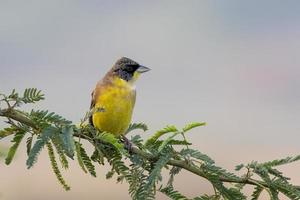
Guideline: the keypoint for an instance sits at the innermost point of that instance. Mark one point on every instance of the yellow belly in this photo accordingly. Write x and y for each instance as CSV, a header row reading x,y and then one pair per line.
x,y
113,110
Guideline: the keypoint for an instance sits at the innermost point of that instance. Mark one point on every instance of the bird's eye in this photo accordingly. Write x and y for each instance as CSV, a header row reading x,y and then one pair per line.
x,y
131,67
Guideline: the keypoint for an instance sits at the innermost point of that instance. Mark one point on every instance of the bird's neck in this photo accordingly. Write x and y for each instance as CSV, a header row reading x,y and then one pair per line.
x,y
118,82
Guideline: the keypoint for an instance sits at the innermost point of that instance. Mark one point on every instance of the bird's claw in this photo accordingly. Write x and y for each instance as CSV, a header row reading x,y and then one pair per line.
x,y
127,144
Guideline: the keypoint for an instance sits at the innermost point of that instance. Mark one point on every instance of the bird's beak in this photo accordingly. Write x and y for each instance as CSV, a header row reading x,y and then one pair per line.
x,y
142,69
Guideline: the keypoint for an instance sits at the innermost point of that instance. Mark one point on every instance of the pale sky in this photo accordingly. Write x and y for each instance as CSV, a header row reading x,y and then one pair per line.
x,y
233,64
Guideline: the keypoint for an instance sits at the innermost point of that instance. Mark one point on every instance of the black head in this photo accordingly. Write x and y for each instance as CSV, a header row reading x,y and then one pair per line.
x,y
126,68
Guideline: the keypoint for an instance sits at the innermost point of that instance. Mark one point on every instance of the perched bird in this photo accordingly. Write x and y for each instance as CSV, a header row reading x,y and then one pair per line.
x,y
114,97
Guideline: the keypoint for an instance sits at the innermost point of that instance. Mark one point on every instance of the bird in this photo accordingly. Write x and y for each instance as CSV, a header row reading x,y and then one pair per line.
x,y
114,97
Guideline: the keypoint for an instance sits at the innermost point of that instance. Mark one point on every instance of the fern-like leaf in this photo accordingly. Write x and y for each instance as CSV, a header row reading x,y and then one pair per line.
x,y
239,167
172,194
137,184
79,158
114,158
68,140
86,160
111,139
109,174
256,193
44,117
136,180
7,132
13,95
138,141
58,144
158,134
218,171
39,144
55,167
286,160
193,125
28,144
12,150
98,155
287,189
155,173
135,126
174,142
32,95
226,193
196,154
167,141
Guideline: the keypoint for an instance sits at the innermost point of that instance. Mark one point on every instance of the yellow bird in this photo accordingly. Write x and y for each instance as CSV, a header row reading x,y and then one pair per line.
x,y
114,97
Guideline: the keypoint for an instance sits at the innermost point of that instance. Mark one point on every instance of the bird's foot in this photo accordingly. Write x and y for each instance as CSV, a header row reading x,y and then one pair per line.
x,y
127,144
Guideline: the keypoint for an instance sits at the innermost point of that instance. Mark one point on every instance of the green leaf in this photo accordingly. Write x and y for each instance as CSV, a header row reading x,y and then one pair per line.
x,y
55,167
114,157
28,144
286,160
135,126
277,173
85,159
13,94
98,155
196,154
226,193
111,139
39,144
167,141
155,173
138,141
44,118
174,142
172,194
256,193
158,134
12,150
68,140
239,167
32,95
109,174
79,158
137,181
7,132
193,125
218,171
58,144
273,194
289,190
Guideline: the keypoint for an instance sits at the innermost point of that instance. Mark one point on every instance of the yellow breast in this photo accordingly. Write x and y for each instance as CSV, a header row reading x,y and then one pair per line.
x,y
114,106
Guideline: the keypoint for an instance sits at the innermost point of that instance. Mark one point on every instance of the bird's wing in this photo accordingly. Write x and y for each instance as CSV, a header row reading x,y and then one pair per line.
x,y
95,94
93,102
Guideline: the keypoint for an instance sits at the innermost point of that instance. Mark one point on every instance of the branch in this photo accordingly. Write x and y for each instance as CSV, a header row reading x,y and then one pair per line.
x,y
147,159
20,117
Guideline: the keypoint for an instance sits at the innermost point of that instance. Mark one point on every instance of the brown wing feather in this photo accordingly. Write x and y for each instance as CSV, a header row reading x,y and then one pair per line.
x,y
93,102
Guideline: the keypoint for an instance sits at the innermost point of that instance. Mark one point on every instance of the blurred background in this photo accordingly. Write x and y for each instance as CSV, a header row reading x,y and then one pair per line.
x,y
233,64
